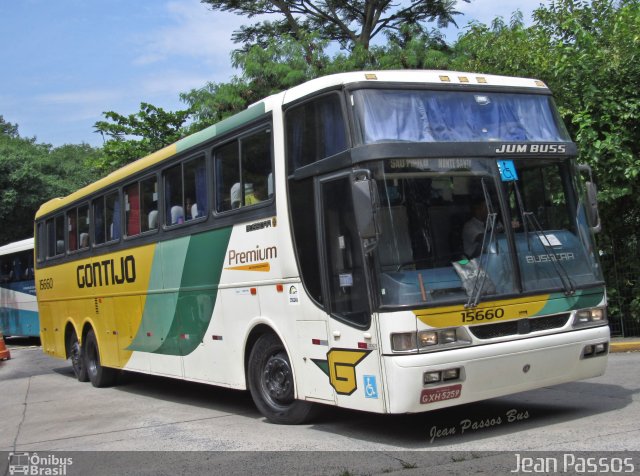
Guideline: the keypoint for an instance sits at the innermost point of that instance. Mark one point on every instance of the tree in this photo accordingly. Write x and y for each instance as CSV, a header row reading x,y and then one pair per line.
x,y
8,129
351,23
587,52
31,174
155,128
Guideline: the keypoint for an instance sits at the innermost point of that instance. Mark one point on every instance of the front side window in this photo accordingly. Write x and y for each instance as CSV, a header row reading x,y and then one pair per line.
x,y
316,129
347,286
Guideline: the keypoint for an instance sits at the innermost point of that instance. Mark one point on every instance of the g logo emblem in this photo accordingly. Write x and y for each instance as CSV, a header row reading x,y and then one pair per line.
x,y
342,369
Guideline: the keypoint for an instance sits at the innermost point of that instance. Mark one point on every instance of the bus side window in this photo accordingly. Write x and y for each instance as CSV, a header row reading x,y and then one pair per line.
x,y
149,192
41,241
256,167
243,168
113,216
174,211
55,236
72,224
132,209
195,189
83,226
227,168
98,221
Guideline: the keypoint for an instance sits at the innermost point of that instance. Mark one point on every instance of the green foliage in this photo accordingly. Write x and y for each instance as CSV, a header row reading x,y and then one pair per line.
x,y
351,23
154,127
284,62
31,174
588,53
8,129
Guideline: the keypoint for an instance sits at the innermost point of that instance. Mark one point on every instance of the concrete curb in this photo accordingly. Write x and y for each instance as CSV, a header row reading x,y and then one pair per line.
x,y
625,346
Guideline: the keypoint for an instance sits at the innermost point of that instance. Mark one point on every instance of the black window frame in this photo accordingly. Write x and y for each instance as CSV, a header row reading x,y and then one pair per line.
x,y
265,127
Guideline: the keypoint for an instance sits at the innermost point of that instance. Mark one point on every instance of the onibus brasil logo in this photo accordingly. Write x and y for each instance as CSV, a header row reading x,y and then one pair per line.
x,y
38,465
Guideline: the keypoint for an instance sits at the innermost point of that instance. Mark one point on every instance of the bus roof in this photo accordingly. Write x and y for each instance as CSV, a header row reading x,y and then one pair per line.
x,y
256,110
17,246
457,78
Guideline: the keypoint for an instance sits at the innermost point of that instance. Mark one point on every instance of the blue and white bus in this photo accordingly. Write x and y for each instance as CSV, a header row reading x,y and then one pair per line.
x,y
18,305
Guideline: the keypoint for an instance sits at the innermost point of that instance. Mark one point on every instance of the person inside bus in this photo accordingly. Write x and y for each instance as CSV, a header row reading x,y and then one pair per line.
x,y
473,230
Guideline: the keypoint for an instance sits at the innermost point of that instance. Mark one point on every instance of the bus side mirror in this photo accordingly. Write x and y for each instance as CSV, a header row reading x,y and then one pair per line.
x,y
364,191
592,199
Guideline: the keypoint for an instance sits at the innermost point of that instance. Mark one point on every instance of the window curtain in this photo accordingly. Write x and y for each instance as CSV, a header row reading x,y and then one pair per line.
x,y
446,116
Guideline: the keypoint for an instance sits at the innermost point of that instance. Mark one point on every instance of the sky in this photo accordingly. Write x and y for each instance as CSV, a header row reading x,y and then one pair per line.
x,y
64,62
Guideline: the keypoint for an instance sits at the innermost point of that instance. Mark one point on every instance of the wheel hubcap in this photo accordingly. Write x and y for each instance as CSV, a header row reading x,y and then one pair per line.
x,y
277,380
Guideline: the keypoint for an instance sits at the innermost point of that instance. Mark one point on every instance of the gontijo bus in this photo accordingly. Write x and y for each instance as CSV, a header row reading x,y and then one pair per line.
x,y
18,306
394,242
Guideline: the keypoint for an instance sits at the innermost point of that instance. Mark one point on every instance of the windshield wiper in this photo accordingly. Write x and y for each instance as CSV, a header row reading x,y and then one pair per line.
x,y
489,228
529,218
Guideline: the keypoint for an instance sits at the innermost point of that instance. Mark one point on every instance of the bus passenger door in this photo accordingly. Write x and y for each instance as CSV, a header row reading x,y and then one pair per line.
x,y
353,361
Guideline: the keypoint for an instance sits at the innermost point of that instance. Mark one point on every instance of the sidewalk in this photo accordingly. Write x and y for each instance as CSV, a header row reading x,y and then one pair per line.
x,y
625,344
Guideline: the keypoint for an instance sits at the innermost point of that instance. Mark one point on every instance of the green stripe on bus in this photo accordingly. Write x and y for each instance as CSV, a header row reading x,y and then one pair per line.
x,y
582,299
221,127
174,323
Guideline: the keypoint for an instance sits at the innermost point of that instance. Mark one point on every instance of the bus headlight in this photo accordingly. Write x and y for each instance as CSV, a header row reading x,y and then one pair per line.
x,y
405,342
428,340
589,317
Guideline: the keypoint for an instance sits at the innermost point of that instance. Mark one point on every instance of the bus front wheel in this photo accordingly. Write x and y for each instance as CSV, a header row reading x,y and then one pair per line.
x,y
271,383
98,375
77,358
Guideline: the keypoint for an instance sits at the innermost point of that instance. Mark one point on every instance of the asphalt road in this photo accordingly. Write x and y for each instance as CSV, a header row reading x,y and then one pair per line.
x,y
43,408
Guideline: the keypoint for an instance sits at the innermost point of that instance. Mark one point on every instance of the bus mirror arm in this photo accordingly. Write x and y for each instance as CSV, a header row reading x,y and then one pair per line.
x,y
364,191
592,199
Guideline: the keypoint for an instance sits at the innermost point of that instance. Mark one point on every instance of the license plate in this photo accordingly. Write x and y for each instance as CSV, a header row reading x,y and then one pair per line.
x,y
440,394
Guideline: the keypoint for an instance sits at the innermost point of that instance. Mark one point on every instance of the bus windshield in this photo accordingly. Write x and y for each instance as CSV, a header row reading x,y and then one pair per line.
x,y
453,231
455,116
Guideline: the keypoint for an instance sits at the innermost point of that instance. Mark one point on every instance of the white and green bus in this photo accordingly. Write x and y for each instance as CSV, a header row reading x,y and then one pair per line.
x,y
392,241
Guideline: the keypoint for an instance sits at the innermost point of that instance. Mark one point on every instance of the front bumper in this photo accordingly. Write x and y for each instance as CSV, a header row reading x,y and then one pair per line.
x,y
493,370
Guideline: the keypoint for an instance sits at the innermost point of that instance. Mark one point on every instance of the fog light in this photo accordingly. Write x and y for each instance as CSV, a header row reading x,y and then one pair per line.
x,y
451,374
600,348
426,338
403,342
432,377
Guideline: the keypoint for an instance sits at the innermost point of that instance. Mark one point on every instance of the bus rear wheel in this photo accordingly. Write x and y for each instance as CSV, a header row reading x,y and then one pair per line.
x,y
77,358
98,375
271,383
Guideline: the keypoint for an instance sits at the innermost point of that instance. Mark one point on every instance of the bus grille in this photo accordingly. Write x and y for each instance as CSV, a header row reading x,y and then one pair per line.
x,y
520,326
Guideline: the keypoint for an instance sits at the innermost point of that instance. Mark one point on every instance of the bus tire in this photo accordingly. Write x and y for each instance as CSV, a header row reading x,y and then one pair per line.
x,y
77,358
271,383
98,375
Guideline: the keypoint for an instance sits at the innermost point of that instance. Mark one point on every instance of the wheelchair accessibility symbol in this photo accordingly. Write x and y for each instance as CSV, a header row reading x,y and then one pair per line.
x,y
370,386
507,171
